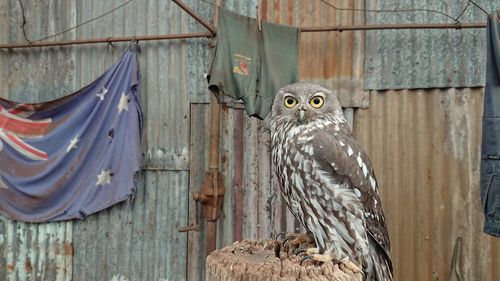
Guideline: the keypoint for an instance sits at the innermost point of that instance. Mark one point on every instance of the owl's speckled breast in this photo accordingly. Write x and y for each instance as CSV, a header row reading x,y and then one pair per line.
x,y
313,195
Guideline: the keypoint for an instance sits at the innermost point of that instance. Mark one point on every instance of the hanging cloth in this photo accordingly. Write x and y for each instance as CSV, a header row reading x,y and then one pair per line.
x,y
73,156
252,65
490,149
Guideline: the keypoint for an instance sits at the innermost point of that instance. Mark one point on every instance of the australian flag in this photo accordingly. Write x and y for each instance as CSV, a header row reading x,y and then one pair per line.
x,y
72,156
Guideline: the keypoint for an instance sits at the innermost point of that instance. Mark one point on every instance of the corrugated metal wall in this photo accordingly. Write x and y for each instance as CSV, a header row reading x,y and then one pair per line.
x,y
424,145
406,59
127,242
35,251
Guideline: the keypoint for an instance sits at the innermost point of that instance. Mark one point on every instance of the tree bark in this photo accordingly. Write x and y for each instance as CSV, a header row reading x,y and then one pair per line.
x,y
255,260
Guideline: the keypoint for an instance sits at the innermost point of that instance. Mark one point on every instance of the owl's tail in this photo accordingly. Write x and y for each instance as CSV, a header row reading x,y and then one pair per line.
x,y
381,262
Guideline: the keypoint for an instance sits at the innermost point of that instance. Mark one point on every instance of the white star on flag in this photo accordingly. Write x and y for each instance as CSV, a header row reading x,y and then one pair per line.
x,y
104,177
101,94
123,103
72,144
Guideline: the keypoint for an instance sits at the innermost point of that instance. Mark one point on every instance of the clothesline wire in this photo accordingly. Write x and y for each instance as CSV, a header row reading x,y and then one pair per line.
x,y
479,7
74,27
211,3
24,22
408,10
463,11
386,10
393,10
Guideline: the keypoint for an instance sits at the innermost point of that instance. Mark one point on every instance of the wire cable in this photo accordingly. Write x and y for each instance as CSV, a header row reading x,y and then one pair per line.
x,y
83,23
463,11
24,23
480,8
387,11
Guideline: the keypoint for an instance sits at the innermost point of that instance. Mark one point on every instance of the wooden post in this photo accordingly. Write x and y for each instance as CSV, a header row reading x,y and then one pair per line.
x,y
255,260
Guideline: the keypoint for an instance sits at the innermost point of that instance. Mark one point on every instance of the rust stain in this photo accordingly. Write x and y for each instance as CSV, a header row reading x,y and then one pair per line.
x,y
277,11
11,267
27,265
264,10
69,250
290,12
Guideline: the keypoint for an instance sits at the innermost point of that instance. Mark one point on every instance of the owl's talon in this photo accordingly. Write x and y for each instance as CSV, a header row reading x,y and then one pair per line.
x,y
305,258
344,264
347,264
300,250
314,255
283,233
293,242
311,254
279,244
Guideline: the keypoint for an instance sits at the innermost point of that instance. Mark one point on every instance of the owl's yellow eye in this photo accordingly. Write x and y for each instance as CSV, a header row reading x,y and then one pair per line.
x,y
290,101
317,102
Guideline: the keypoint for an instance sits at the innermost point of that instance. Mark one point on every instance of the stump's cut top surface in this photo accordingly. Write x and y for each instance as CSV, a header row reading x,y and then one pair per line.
x,y
255,260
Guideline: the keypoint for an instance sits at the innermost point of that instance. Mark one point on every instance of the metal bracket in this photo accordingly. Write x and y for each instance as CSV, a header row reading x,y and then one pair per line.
x,y
193,226
211,195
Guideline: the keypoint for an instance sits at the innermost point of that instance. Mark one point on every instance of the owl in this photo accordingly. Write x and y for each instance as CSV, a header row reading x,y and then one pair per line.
x,y
327,180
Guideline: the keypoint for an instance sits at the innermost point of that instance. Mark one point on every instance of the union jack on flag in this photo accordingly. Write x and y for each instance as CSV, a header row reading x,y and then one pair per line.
x,y
14,126
73,156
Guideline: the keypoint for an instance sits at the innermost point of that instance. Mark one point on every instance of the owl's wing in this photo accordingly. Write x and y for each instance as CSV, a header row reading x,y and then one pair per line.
x,y
342,154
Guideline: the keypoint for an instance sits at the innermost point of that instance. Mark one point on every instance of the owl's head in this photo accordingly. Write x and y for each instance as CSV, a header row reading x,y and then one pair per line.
x,y
304,102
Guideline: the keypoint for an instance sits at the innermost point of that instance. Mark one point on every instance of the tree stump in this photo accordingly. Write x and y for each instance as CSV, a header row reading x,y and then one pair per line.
x,y
255,260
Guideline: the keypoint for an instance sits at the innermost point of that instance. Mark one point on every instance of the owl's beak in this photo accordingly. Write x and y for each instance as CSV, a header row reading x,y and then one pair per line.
x,y
302,113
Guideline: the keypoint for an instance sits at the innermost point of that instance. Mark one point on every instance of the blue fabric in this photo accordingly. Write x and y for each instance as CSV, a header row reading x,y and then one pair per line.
x,y
72,156
490,148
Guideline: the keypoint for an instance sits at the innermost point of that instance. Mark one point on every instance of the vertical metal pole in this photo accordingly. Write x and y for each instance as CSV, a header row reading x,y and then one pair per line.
x,y
238,175
213,167
213,160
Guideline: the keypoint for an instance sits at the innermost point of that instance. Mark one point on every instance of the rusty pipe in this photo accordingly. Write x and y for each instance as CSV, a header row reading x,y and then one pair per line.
x,y
213,157
106,40
338,28
213,160
393,26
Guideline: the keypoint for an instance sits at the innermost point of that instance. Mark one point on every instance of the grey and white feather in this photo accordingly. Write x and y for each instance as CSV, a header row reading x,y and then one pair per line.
x,y
327,179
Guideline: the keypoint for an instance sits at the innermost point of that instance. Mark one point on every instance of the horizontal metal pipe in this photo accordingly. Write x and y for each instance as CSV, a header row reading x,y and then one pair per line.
x,y
338,28
393,26
107,40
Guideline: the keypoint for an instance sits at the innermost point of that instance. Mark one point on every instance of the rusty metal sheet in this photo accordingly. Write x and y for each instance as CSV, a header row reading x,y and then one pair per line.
x,y
425,148
333,59
35,251
140,241
199,144
136,242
